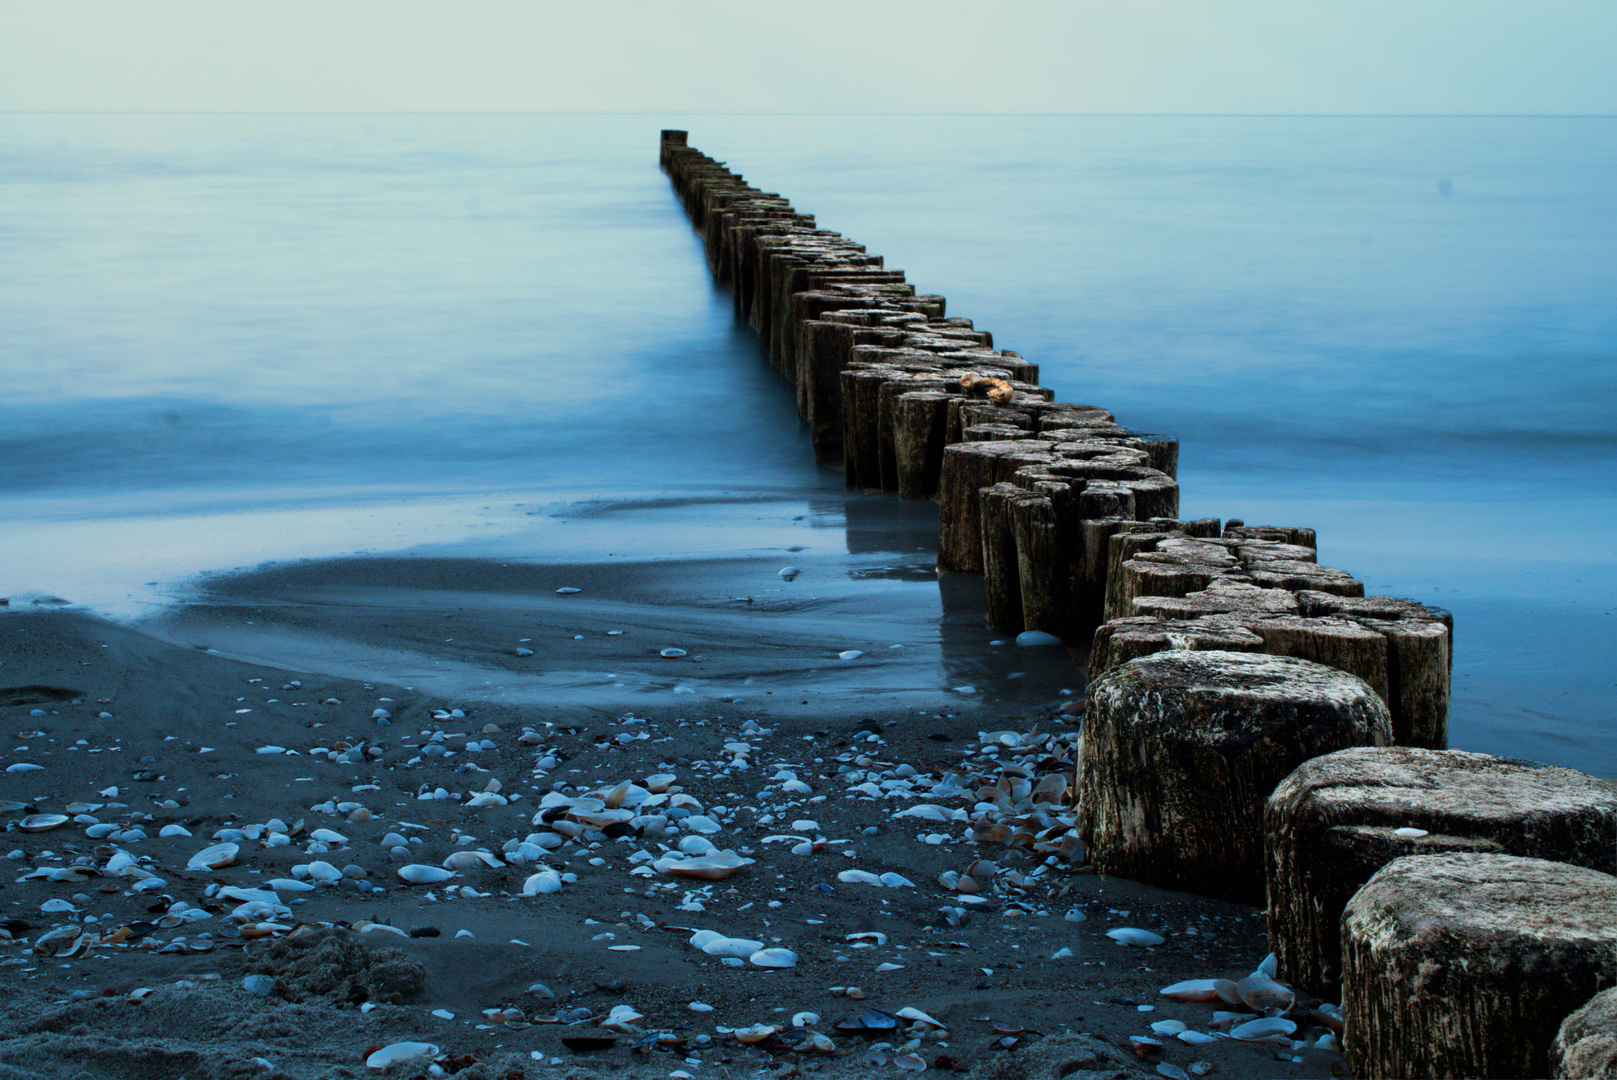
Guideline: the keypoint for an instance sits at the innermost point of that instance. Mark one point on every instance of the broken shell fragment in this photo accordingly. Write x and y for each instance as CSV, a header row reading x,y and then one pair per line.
x,y
1133,935
420,874
1260,994
400,1051
213,858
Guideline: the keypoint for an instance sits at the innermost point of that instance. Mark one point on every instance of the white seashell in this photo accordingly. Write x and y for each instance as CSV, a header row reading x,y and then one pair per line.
x,y
659,783
1269,967
931,812
282,884
728,946
1168,1027
755,1033
62,941
328,836
805,1019
400,1051
696,845
1195,1038
672,654
42,822
896,881
174,830
567,590
23,766
1265,1029
701,938
713,867
859,877
271,750
701,823
849,654
910,1012
542,883
773,958
324,872
1133,935
213,858
56,905
1192,990
1228,992
420,874
1409,832
1260,994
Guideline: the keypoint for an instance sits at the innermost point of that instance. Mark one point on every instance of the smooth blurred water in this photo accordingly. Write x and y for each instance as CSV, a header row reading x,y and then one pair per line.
x,y
231,338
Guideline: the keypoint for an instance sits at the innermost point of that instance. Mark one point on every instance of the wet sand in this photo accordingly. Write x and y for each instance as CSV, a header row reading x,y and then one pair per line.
x,y
300,656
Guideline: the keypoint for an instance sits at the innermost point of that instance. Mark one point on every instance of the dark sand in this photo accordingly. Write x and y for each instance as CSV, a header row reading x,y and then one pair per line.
x,y
102,705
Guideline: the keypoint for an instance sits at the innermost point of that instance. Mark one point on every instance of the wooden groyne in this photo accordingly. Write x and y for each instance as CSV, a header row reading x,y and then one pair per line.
x,y
1071,518
1255,726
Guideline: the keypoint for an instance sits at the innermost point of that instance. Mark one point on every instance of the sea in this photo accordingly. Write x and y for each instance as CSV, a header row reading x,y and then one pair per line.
x,y
227,340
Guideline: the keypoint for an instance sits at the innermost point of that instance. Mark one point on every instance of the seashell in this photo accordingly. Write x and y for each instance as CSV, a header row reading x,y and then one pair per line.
x,y
322,871
805,1019
1195,1038
931,812
1228,992
399,1051
1328,1016
1036,637
1269,967
910,1062
42,822
1133,935
419,874
1265,1029
1192,990
1167,1027
896,881
328,836
1260,994
756,1033
910,1012
816,1043
773,958
868,1020
1409,832
875,937
713,867
672,654
213,858
859,877
470,860
701,938
741,948
1172,1071
63,941
542,883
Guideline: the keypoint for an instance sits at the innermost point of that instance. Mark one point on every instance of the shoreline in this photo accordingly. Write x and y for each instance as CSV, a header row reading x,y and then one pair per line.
x,y
167,701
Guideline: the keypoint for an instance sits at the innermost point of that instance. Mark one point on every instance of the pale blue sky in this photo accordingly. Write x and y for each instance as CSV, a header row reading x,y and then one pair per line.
x,y
1150,56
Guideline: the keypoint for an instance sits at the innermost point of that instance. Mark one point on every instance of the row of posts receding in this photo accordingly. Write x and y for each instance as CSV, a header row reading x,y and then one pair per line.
x,y
1071,518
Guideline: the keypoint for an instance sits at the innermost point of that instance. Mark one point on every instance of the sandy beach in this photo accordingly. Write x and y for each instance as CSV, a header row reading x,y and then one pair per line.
x,y
255,705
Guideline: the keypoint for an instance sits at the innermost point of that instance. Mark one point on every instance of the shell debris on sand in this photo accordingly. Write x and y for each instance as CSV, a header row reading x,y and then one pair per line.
x,y
822,860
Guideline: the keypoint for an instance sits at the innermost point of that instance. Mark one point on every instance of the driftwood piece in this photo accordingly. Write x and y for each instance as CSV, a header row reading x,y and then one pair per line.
x,y
1334,822
1585,1047
1181,751
1466,964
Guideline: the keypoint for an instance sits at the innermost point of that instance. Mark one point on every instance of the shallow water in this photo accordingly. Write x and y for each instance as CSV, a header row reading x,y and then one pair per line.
x,y
232,339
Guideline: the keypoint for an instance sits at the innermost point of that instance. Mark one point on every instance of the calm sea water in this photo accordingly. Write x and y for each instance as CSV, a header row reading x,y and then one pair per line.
x,y
225,339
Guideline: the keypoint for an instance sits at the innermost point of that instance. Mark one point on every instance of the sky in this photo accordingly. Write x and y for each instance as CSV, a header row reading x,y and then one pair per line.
x,y
832,56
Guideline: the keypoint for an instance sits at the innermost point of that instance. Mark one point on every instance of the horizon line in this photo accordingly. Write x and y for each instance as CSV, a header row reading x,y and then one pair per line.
x,y
636,112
